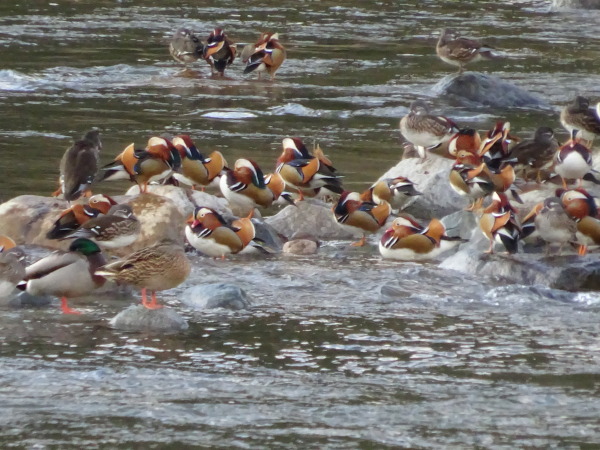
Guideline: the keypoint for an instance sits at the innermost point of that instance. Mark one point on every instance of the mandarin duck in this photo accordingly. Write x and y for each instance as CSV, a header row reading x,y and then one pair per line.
x,y
536,155
196,170
353,213
276,184
72,218
466,139
219,51
245,188
396,191
424,130
185,47
66,274
208,232
552,224
305,172
499,224
79,165
267,55
407,240
155,163
581,120
459,51
118,228
469,178
573,161
582,208
12,268
156,268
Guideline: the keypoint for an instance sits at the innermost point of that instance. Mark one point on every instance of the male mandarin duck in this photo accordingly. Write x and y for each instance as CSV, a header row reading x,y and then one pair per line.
x,y
551,222
500,224
536,155
459,51
407,240
118,228
466,139
425,130
350,211
276,184
244,187
208,232
469,177
395,191
582,208
72,218
196,170
12,268
305,172
573,161
79,165
267,55
219,51
156,268
581,120
66,274
155,163
185,47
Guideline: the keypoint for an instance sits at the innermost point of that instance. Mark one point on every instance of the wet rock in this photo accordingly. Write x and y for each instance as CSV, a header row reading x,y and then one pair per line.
x,y
462,223
139,318
430,176
575,4
478,89
301,247
216,295
25,300
310,218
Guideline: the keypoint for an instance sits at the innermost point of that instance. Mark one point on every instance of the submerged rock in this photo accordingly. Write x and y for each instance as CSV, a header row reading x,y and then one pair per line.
x,y
301,247
216,295
139,318
576,4
474,88
24,300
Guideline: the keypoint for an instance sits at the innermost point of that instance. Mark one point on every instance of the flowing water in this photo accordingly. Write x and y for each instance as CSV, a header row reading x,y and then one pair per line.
x,y
341,350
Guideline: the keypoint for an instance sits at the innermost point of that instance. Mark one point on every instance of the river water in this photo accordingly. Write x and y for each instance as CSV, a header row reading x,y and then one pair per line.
x,y
341,350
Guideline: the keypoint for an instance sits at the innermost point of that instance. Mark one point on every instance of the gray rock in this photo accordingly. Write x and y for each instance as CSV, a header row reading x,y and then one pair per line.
x,y
478,89
139,318
310,218
24,300
575,4
216,295
301,247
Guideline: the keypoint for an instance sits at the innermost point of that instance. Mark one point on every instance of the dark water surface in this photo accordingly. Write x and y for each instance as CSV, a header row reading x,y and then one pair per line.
x,y
339,351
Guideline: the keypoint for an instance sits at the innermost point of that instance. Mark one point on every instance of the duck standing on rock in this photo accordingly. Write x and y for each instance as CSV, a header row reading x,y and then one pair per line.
x,y
72,218
156,268
573,161
499,224
267,55
552,223
460,51
582,208
245,188
580,120
396,191
469,177
196,170
219,51
66,274
424,130
185,47
351,212
79,165
535,156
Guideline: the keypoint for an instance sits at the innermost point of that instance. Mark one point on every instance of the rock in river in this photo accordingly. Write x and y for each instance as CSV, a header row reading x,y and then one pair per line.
x,y
216,295
139,318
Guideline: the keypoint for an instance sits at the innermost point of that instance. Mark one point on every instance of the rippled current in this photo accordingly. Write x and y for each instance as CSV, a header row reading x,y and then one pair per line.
x,y
340,350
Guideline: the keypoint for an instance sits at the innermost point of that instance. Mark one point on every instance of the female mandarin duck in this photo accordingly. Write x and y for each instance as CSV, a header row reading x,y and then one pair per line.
x,y
185,47
536,156
118,228
305,172
156,268
155,163
75,216
208,232
350,211
469,177
466,139
407,240
580,120
573,161
219,51
66,274
552,224
12,268
582,208
244,187
460,51
267,55
500,224
79,165
425,130
196,170
396,191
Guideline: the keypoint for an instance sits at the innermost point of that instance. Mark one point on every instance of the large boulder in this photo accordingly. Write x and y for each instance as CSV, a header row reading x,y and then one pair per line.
x,y
478,89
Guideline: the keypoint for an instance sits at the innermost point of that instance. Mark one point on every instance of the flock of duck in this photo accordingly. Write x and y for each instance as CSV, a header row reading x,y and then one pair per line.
x,y
485,167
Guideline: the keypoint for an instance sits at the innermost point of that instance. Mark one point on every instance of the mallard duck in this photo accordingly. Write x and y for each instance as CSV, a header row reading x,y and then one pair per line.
x,y
460,51
79,165
424,130
536,155
66,274
72,218
196,170
580,120
266,56
12,268
156,268
350,211
185,47
219,51
208,232
499,223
